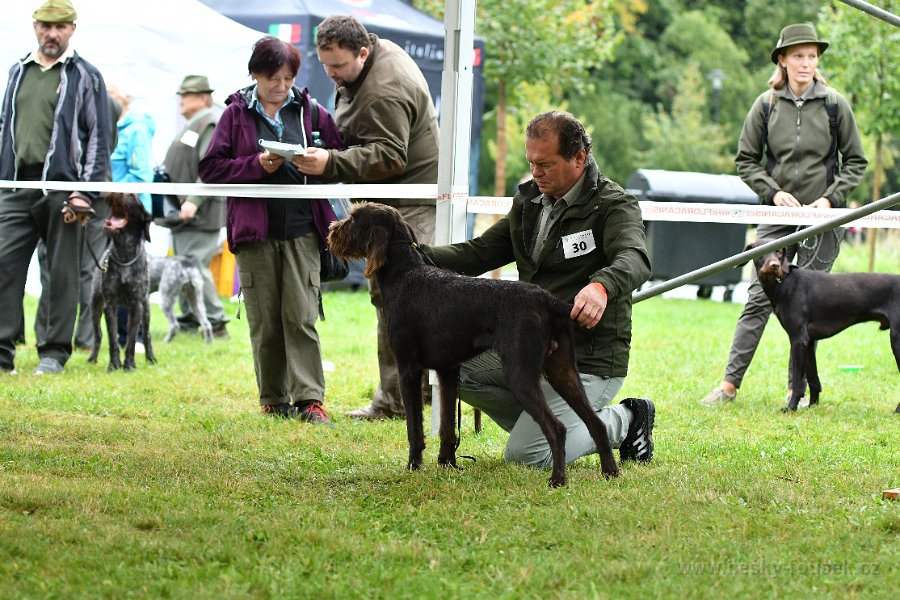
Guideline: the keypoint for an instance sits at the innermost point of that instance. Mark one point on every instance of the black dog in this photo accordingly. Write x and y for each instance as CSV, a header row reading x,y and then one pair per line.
x,y
438,319
123,280
814,305
174,275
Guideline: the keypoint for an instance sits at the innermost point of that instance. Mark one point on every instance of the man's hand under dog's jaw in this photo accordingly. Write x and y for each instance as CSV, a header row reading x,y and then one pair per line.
x,y
69,215
313,162
590,303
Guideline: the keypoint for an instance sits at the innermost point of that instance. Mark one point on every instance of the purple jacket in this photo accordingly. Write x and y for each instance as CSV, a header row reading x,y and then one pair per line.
x,y
232,157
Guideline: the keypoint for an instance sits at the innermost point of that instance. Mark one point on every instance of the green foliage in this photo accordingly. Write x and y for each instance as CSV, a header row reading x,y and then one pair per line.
x,y
615,122
864,60
685,140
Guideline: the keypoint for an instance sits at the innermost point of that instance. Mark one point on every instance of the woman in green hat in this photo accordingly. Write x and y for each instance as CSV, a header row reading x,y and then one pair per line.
x,y
799,148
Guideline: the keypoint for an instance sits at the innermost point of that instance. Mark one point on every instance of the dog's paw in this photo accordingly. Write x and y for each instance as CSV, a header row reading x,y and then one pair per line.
x,y
556,482
113,367
448,462
414,466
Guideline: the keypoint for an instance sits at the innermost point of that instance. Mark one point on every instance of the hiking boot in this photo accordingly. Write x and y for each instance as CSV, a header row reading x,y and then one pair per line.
x,y
285,411
48,366
220,331
718,396
314,413
372,413
638,444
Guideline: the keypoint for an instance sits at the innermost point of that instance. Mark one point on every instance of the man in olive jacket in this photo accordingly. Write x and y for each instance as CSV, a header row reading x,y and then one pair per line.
x,y
580,236
385,114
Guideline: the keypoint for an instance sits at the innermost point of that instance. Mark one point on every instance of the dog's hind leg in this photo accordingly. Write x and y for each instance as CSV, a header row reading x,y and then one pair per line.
x,y
563,377
194,293
148,343
522,371
167,303
411,394
449,380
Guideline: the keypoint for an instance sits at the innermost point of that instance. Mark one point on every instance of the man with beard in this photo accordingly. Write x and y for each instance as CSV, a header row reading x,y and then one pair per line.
x,y
54,126
386,117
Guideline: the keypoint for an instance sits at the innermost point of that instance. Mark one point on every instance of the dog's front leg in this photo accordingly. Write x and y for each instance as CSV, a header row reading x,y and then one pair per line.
x,y
449,380
112,336
96,316
799,352
812,375
135,317
148,343
411,394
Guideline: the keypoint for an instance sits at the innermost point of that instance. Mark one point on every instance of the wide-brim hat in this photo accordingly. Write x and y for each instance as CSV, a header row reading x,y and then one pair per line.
x,y
195,84
56,11
798,33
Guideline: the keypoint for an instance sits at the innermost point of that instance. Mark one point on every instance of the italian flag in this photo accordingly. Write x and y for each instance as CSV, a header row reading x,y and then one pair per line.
x,y
288,32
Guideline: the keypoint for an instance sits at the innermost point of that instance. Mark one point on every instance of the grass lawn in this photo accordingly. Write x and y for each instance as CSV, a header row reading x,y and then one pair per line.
x,y
167,482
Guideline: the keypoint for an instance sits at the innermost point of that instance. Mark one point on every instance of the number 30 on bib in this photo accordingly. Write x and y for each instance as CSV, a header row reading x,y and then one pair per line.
x,y
578,244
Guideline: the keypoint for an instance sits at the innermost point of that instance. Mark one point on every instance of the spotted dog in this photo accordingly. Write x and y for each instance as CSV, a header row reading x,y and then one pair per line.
x,y
123,280
438,319
172,276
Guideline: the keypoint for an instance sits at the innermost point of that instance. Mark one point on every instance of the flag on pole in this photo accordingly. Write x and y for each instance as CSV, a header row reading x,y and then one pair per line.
x,y
288,32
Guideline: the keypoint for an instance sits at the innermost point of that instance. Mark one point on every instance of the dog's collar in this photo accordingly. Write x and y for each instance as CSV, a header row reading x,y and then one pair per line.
x,y
110,256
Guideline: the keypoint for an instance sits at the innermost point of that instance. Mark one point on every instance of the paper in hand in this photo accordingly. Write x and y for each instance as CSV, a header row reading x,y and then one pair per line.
x,y
288,151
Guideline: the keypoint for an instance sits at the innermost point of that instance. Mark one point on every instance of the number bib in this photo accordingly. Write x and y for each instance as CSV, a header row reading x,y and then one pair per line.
x,y
578,244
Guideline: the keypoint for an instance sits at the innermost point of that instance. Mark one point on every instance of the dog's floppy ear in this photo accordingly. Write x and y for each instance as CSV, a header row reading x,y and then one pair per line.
x,y
147,219
376,249
786,265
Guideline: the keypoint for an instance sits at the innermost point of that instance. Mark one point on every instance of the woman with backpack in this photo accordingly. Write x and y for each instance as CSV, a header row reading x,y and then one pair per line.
x,y
799,147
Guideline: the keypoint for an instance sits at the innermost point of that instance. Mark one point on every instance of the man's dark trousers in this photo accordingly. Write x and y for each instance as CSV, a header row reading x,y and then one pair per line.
x,y
25,217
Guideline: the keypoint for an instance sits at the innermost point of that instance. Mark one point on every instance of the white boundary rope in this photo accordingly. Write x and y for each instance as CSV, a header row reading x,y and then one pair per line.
x,y
652,211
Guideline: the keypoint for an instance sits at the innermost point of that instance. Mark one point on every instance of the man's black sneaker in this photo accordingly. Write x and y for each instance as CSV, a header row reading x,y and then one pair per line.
x,y
312,412
638,444
285,411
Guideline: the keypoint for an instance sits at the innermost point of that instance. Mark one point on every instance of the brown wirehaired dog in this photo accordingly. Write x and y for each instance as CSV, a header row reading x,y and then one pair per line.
x,y
123,279
814,305
438,319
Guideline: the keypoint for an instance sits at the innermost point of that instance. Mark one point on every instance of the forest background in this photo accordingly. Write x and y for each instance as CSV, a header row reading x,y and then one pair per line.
x,y
666,84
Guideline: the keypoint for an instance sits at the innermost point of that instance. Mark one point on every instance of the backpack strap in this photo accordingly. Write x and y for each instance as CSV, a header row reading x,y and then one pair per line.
x,y
768,98
832,161
314,116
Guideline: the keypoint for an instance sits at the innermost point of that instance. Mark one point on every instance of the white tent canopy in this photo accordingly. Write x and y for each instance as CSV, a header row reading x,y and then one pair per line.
x,y
145,49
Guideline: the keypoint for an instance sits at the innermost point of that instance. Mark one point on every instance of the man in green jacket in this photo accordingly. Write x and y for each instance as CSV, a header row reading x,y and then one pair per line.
x,y
386,116
580,236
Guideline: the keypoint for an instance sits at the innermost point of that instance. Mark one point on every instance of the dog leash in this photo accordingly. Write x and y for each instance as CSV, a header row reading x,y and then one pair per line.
x,y
105,265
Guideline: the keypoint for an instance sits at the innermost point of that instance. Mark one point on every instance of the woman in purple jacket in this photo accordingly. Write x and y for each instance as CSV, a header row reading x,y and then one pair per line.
x,y
276,241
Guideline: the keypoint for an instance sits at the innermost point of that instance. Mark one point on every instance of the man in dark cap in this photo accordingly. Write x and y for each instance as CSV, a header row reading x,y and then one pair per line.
x,y
55,126
195,231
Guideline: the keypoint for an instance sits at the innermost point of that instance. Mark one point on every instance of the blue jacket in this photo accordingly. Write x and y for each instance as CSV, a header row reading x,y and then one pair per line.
x,y
79,142
131,160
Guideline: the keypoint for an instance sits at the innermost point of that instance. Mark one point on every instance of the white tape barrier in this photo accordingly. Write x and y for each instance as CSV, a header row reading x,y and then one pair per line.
x,y
720,213
652,211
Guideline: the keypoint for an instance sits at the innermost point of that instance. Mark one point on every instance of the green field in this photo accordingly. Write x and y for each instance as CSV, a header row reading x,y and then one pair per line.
x,y
167,482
